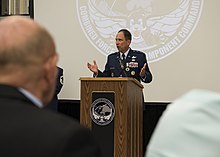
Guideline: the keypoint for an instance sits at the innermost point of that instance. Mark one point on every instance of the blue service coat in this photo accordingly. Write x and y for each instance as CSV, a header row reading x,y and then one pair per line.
x,y
135,60
59,84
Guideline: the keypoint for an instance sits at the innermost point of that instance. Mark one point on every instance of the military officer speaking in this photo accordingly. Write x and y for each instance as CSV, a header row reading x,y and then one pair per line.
x,y
124,63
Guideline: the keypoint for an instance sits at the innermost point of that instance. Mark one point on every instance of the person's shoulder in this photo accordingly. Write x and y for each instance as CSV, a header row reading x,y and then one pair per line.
x,y
138,52
113,55
51,118
60,73
203,97
55,119
59,68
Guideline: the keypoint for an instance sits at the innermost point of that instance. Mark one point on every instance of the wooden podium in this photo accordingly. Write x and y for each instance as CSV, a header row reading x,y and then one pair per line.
x,y
122,137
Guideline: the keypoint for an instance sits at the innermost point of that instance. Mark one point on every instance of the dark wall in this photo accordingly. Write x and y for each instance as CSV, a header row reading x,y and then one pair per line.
x,y
152,113
70,108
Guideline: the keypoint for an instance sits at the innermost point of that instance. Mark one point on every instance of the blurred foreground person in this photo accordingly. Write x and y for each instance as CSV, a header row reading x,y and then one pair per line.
x,y
28,73
189,127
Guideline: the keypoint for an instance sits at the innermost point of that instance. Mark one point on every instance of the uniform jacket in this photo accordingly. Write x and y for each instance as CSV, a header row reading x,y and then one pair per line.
x,y
59,84
28,131
135,60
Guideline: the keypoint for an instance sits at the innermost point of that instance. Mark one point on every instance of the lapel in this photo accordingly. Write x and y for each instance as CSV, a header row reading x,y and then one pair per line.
x,y
117,61
129,56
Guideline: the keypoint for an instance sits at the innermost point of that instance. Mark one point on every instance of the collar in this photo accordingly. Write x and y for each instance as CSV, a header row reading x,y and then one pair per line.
x,y
32,98
126,54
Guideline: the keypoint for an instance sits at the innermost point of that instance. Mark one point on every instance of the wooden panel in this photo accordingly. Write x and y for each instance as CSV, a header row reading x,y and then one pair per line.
x,y
128,112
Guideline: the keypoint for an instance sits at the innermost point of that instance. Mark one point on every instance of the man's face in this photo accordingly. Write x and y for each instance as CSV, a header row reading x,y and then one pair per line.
x,y
121,43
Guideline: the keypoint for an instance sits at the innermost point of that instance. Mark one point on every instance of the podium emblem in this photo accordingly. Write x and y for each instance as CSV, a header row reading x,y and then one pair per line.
x,y
102,111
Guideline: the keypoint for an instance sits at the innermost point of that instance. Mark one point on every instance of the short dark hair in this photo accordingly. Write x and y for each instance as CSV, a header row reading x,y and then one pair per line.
x,y
126,33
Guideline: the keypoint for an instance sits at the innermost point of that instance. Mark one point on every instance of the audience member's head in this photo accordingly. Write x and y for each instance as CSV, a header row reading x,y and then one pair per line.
x,y
27,57
28,74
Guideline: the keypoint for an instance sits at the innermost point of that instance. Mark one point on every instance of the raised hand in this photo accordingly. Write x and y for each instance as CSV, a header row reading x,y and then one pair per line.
x,y
143,70
93,67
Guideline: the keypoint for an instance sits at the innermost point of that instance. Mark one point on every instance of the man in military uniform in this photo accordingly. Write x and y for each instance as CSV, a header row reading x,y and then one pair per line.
x,y
124,63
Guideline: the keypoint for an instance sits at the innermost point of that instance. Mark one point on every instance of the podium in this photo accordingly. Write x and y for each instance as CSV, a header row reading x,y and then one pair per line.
x,y
113,109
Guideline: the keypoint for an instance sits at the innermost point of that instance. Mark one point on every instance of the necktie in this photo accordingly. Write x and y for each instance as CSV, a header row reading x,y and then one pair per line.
x,y
123,60
123,56
123,66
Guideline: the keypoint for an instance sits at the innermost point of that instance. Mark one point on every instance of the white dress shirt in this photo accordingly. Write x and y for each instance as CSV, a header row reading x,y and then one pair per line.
x,y
31,97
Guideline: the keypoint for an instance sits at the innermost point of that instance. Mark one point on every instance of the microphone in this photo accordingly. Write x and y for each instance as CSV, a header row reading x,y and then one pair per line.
x,y
122,66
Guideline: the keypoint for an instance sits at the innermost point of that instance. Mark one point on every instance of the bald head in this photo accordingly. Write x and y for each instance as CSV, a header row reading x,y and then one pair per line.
x,y
27,56
23,42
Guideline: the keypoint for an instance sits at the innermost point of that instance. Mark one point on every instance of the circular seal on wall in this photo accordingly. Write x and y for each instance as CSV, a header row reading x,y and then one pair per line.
x,y
158,27
102,111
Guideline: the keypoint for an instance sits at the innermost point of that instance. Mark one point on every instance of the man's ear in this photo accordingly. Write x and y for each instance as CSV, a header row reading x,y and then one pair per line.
x,y
128,42
50,68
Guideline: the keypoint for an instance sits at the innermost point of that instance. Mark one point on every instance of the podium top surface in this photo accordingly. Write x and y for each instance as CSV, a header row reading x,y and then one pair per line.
x,y
112,79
